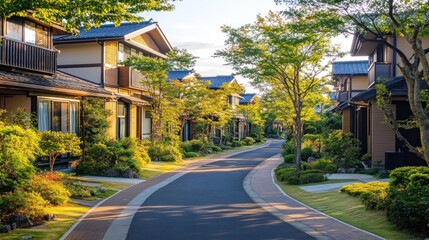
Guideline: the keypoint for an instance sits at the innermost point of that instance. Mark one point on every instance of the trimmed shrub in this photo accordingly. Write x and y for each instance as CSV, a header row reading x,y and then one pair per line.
x,y
78,190
306,153
225,147
217,149
400,178
290,158
192,146
236,143
23,202
293,177
51,190
342,148
190,154
289,148
322,165
165,152
248,141
374,195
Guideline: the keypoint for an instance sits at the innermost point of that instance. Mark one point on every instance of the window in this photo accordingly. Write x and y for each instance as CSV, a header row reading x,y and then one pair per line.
x,y
122,120
147,114
61,115
14,29
28,32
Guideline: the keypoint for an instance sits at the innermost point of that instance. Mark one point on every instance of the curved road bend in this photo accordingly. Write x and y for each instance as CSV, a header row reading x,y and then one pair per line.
x,y
210,203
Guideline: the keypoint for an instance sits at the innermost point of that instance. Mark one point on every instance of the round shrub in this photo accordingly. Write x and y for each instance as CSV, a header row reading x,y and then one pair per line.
x,y
248,141
400,177
217,149
52,191
293,177
237,143
193,146
165,152
22,202
78,190
324,165
306,153
282,173
290,158
191,154
225,147
311,177
89,167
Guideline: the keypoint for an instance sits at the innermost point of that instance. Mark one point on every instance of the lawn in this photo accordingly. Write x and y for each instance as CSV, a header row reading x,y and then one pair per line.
x,y
348,209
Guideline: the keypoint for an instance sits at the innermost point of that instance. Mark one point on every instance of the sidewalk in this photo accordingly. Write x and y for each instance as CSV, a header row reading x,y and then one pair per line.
x,y
260,186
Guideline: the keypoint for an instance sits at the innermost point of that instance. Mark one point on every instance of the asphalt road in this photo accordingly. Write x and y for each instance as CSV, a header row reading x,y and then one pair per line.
x,y
210,203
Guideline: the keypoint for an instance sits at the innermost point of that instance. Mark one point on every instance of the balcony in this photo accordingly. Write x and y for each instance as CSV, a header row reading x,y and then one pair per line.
x,y
130,78
378,70
343,96
17,54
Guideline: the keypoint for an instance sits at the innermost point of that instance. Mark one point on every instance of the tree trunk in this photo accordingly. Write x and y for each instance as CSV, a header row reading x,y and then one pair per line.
x,y
298,142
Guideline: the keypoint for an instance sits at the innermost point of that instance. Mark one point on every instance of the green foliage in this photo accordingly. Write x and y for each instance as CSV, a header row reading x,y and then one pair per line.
x,y
122,154
322,165
94,123
74,14
289,147
78,190
289,158
53,144
409,209
374,195
306,153
236,143
294,177
400,178
18,150
49,189
248,141
24,203
342,149
190,154
193,146
18,117
161,151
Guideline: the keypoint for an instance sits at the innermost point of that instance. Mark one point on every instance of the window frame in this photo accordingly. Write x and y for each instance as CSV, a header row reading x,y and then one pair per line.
x,y
50,117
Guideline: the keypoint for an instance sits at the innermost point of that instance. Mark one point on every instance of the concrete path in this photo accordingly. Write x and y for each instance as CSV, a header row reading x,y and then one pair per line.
x,y
260,186
113,179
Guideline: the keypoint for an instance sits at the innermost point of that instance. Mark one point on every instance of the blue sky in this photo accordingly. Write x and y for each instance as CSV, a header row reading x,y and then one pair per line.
x,y
195,25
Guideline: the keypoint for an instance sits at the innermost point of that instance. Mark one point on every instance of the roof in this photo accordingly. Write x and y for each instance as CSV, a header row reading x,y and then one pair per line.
x,y
178,74
217,81
108,31
59,83
350,67
247,97
133,100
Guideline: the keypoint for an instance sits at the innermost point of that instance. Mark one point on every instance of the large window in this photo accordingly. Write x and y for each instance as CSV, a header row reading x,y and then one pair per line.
x,y
125,51
27,31
122,120
60,115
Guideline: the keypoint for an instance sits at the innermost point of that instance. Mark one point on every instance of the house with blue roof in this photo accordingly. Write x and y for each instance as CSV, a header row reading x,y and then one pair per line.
x,y
97,55
181,74
351,78
248,98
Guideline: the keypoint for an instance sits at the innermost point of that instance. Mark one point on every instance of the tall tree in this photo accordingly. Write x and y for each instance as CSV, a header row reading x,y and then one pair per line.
x,y
88,13
276,52
377,21
166,108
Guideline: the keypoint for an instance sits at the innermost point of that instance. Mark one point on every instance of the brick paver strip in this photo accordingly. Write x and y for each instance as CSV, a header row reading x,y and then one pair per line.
x,y
260,186
96,223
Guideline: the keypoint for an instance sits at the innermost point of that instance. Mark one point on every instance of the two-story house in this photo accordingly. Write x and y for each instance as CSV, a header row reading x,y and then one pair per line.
x,y
385,149
29,78
97,54
351,78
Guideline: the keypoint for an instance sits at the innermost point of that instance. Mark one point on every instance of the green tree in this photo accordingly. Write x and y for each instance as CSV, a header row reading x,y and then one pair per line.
x,y
53,144
274,51
166,110
376,21
88,13
18,149
253,115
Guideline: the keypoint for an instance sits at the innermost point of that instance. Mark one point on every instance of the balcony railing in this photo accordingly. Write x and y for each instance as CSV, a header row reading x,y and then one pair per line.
x,y
27,56
343,96
378,70
130,78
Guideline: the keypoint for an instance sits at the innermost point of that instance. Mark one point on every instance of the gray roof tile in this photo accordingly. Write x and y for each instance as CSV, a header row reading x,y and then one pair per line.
x,y
350,67
105,31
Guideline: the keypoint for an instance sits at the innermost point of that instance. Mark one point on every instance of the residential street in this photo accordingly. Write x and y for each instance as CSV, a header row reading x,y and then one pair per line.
x,y
210,203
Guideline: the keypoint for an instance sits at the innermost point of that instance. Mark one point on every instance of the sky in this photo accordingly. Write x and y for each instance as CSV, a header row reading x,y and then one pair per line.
x,y
196,26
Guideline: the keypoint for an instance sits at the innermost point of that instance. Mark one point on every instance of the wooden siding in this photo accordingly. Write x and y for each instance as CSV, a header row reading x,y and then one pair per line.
x,y
111,53
111,76
346,120
133,120
112,119
383,137
146,40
